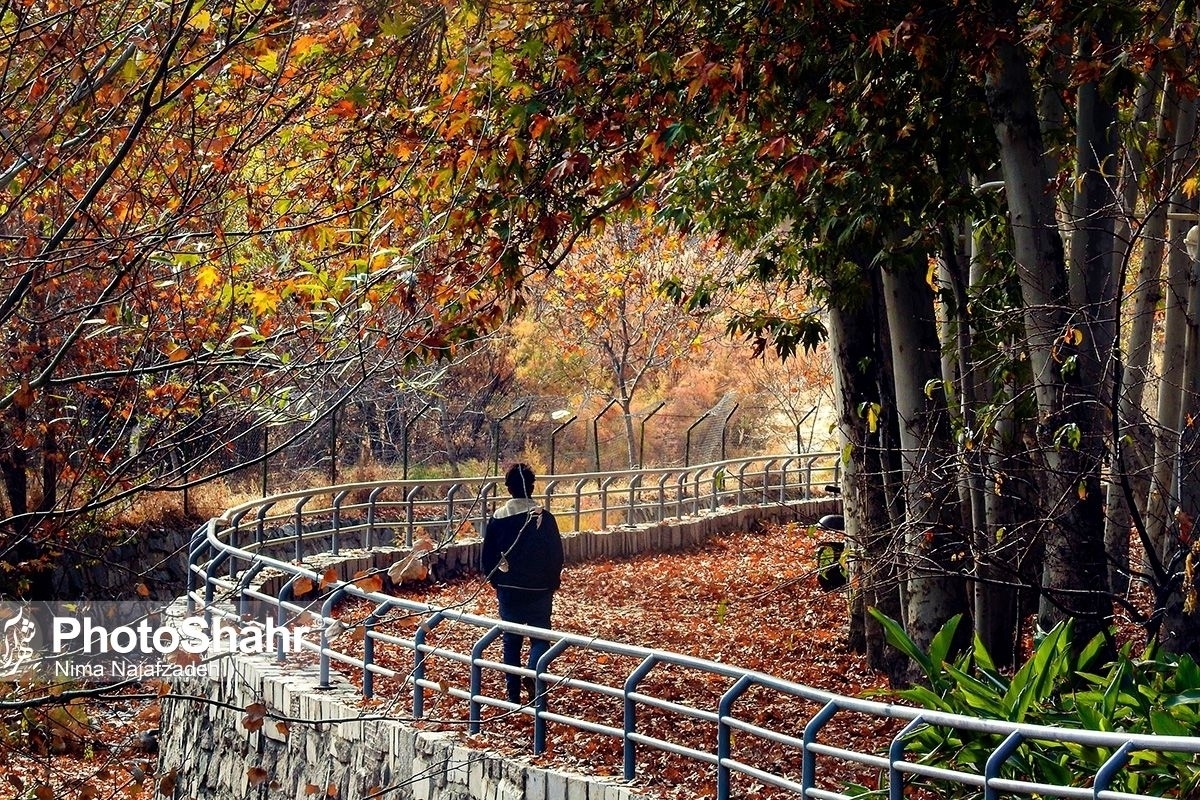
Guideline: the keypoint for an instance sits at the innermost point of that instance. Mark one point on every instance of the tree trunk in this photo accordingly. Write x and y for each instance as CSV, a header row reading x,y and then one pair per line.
x,y
1134,436
934,548
854,351
1068,439
1174,334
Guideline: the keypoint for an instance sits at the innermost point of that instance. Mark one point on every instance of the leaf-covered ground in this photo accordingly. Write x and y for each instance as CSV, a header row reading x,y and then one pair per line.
x,y
747,599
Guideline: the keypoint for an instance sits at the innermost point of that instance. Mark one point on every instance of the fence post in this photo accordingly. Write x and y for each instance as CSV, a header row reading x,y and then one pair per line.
x,y
725,425
596,430
266,441
554,435
496,436
687,447
642,434
406,424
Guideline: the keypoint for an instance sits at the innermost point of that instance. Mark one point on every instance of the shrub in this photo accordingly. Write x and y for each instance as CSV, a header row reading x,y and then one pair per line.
x,y
1060,685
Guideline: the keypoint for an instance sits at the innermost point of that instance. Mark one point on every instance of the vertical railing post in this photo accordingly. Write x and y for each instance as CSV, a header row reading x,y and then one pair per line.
x,y
418,674
808,762
299,523
607,482
896,779
335,538
473,705
629,749
579,484
285,594
991,768
662,495
372,499
725,734
540,701
1109,769
450,527
410,501
326,616
369,649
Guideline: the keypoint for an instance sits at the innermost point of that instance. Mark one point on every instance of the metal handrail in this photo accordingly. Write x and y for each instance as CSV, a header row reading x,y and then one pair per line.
x,y
216,562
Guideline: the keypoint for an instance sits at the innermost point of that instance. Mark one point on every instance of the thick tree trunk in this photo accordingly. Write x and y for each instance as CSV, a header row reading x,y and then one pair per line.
x,y
1074,573
854,350
934,547
1093,284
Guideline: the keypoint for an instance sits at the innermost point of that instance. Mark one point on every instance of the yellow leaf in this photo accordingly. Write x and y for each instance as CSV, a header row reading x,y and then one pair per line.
x,y
200,21
207,277
1191,187
263,302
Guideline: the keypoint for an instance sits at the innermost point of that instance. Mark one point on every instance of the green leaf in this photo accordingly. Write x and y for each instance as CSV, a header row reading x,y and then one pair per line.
x,y
1189,697
1164,724
897,638
939,648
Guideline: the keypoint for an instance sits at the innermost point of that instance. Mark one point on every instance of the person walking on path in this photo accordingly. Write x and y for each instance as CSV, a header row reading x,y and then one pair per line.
x,y
523,560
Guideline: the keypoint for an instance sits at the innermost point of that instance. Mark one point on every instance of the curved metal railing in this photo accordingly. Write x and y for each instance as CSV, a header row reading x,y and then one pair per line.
x,y
277,533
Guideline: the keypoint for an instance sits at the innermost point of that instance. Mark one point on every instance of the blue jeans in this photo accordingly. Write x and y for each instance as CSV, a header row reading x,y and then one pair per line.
x,y
525,608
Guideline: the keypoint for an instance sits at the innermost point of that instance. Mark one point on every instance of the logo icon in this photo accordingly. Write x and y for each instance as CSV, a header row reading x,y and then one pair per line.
x,y
15,652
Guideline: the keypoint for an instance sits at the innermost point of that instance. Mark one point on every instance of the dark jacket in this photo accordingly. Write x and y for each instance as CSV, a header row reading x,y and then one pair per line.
x,y
526,535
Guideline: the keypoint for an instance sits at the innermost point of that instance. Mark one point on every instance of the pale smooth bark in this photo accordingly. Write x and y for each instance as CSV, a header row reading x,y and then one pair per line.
x,y
1170,387
932,536
1135,442
1074,574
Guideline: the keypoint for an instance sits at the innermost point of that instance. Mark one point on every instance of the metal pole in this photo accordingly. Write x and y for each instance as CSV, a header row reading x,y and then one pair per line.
x,y
687,447
496,436
642,434
596,430
406,423
799,441
724,425
554,435
265,444
333,444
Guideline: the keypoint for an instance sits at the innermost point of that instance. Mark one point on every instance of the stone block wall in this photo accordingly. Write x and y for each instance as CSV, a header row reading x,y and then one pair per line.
x,y
321,743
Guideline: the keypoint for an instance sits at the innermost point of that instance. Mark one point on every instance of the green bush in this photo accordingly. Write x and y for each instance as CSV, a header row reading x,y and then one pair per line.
x,y
1060,685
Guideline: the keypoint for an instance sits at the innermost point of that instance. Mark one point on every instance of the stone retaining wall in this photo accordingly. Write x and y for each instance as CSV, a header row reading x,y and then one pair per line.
x,y
338,750
330,746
